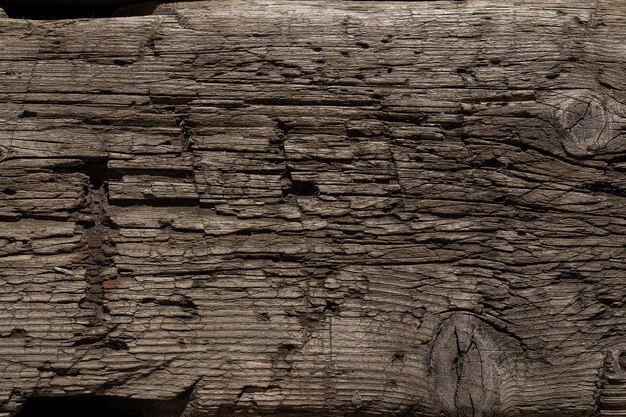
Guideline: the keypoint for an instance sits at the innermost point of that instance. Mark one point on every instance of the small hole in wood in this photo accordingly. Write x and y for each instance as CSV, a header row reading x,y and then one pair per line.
x,y
26,114
303,188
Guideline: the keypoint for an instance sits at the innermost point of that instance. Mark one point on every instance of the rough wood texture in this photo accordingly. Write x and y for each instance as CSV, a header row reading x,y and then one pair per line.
x,y
320,208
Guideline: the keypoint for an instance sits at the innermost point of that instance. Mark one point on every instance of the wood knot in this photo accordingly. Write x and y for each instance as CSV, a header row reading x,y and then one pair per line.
x,y
470,363
589,128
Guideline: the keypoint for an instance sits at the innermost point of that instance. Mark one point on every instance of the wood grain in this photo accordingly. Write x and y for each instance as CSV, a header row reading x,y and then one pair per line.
x,y
318,208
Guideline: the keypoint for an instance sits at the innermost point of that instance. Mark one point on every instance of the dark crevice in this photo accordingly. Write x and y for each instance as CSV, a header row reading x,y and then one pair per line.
x,y
569,276
185,133
97,250
67,9
181,301
101,340
331,306
89,340
172,100
492,163
605,187
156,202
286,347
302,188
182,172
123,62
307,102
185,303
95,169
298,187
115,344
103,406
244,232
17,332
26,114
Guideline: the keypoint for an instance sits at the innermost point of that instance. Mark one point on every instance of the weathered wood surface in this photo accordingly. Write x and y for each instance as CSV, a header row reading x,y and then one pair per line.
x,y
318,207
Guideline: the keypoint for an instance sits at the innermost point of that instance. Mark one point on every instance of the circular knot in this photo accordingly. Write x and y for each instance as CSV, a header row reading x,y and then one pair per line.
x,y
589,129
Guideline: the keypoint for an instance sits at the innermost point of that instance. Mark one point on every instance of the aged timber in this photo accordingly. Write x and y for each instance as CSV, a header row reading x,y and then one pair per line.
x,y
315,208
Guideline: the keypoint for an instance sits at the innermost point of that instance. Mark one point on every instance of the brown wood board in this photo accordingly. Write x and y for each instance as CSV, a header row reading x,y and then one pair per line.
x,y
317,208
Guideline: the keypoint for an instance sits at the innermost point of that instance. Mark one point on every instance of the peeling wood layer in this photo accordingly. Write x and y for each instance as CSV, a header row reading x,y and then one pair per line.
x,y
318,208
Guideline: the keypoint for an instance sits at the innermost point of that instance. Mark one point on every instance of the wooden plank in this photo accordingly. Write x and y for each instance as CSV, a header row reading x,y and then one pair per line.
x,y
320,208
